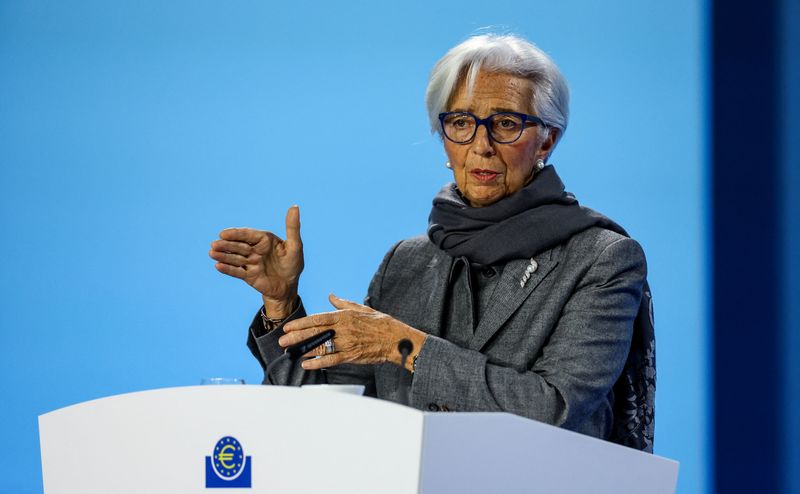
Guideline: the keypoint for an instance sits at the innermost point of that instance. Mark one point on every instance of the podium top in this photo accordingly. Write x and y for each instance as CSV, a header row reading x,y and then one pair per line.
x,y
287,439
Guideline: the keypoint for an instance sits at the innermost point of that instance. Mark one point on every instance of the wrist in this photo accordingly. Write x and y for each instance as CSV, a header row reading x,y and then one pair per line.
x,y
279,309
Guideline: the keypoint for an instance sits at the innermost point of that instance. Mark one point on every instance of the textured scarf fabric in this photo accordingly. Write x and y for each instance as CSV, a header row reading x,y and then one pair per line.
x,y
538,217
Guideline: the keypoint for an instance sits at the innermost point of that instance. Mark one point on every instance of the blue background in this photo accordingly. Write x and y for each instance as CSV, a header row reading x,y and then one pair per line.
x,y
131,133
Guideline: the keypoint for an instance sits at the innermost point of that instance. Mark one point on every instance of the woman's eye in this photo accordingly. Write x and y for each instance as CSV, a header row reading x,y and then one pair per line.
x,y
507,124
459,123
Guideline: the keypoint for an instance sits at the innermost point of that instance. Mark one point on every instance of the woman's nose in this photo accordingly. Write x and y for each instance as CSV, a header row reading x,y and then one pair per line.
x,y
482,143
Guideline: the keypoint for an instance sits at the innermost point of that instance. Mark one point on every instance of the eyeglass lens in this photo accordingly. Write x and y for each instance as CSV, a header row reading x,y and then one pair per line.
x,y
503,127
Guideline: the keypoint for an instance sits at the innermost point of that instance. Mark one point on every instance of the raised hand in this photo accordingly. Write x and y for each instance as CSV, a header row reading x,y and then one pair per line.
x,y
264,261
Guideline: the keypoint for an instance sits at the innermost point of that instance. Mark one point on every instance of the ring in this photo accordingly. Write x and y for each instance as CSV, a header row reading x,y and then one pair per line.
x,y
329,346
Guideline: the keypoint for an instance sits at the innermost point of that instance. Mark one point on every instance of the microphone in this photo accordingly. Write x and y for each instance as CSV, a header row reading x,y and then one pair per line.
x,y
298,350
405,347
306,346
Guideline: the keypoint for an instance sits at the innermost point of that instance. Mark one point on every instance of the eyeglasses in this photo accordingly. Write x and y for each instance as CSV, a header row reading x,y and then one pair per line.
x,y
504,127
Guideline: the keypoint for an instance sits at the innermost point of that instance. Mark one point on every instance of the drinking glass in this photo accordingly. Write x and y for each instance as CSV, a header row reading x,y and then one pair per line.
x,y
212,381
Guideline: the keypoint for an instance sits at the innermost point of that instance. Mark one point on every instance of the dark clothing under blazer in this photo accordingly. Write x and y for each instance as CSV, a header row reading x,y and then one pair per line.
x,y
549,349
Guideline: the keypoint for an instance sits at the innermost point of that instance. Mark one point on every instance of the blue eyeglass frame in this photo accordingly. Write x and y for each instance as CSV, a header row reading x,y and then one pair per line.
x,y
485,122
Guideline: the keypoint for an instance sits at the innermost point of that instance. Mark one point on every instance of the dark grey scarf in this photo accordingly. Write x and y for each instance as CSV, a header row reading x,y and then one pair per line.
x,y
538,217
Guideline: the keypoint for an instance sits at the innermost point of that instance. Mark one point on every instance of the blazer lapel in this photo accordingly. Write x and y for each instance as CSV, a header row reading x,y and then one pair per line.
x,y
509,295
437,281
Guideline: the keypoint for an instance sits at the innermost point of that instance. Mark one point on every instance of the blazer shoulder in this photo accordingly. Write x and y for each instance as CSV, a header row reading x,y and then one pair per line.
x,y
598,239
588,246
415,249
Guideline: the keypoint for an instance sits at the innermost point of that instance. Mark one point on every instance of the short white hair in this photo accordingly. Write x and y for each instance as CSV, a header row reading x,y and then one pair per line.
x,y
504,54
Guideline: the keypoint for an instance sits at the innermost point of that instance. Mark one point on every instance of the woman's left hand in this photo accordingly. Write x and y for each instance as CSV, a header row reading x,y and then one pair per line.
x,y
363,336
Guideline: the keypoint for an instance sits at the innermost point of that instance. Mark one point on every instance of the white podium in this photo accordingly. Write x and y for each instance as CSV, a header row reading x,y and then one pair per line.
x,y
297,440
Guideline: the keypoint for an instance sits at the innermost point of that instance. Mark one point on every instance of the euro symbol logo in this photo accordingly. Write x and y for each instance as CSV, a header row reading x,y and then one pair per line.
x,y
227,466
226,457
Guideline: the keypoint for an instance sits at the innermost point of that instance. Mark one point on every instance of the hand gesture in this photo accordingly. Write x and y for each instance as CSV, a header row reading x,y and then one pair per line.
x,y
363,336
264,261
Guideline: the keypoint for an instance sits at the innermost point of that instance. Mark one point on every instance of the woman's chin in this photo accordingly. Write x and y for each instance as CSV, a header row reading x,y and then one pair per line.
x,y
481,196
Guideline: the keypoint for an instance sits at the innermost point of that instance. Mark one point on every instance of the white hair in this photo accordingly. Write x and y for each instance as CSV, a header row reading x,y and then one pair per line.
x,y
504,54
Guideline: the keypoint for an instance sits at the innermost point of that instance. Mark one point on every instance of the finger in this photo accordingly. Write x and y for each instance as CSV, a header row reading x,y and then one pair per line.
x,y
325,361
241,248
296,337
247,235
293,227
232,259
317,351
343,304
234,271
326,319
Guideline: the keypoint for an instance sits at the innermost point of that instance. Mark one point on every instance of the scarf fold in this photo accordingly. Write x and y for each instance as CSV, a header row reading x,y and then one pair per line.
x,y
538,217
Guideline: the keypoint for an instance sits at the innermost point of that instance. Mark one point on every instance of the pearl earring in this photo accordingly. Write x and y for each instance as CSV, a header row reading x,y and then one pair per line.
x,y
539,164
448,165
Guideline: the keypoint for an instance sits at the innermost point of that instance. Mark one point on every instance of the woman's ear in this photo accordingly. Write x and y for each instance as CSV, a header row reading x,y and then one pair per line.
x,y
549,143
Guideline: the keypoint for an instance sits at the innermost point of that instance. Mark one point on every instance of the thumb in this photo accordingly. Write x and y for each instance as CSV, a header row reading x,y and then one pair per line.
x,y
342,304
293,226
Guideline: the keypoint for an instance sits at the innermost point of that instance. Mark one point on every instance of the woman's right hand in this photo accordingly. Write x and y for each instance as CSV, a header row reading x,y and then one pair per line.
x,y
264,261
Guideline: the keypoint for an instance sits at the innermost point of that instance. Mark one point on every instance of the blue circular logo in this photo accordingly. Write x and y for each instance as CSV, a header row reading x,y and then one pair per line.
x,y
228,458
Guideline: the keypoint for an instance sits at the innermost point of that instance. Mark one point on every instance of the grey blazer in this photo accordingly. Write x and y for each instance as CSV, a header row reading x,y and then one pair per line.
x,y
550,349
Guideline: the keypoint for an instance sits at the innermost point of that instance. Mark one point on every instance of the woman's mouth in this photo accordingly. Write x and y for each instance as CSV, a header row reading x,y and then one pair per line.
x,y
482,175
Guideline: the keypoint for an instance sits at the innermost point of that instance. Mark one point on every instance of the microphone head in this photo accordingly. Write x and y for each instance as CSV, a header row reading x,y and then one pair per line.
x,y
405,346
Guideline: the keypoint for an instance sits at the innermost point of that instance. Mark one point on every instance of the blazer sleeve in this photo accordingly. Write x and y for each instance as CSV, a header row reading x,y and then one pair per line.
x,y
265,348
577,367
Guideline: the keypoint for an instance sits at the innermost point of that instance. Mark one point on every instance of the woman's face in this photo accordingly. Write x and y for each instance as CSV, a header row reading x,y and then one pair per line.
x,y
485,171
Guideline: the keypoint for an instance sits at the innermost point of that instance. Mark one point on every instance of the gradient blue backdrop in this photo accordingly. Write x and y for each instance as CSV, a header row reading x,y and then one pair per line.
x,y
131,133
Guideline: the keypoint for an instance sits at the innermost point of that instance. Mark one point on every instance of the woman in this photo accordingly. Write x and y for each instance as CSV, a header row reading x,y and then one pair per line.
x,y
517,300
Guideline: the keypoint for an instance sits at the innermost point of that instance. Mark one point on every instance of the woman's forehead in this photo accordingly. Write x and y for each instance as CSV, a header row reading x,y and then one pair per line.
x,y
493,92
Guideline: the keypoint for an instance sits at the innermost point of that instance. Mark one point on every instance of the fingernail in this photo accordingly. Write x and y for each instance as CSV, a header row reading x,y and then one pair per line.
x,y
305,365
282,341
